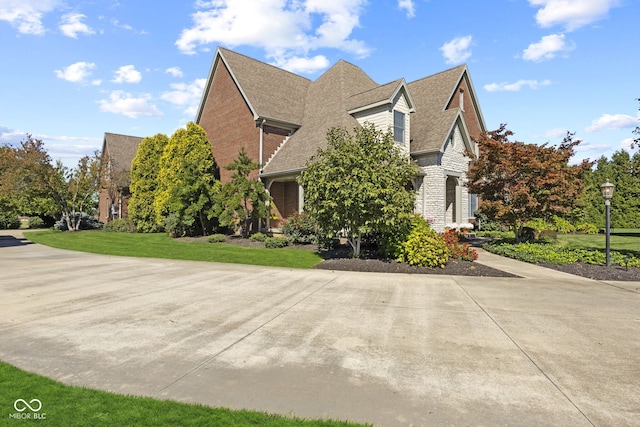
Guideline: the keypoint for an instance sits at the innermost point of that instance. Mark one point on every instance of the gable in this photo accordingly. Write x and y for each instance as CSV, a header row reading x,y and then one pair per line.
x,y
438,109
269,92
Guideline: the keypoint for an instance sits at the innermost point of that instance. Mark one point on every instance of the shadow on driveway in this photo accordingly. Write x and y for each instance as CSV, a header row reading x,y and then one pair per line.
x,y
10,241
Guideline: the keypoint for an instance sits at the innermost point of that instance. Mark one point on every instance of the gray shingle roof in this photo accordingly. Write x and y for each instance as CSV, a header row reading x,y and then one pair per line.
x,y
272,92
316,106
373,96
431,123
326,107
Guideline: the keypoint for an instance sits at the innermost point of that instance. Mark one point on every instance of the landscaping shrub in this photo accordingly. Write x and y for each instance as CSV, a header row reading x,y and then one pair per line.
x,y
87,222
457,249
423,246
539,224
120,225
217,238
545,253
9,221
561,225
36,222
587,228
258,237
300,228
276,242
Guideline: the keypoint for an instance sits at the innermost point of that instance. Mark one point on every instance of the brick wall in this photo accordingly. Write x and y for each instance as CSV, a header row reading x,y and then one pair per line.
x,y
228,122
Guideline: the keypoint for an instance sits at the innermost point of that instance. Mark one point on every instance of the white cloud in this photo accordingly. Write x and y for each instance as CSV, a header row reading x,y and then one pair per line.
x,y
174,71
572,14
26,15
304,65
515,87
626,144
127,74
186,94
76,73
71,26
286,30
556,133
120,102
546,48
612,121
408,6
457,50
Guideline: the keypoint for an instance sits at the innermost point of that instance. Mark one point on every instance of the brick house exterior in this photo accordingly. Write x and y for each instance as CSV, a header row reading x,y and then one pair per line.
x,y
281,119
115,175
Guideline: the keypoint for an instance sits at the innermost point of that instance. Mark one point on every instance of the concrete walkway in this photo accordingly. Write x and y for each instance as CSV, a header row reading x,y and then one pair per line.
x,y
545,349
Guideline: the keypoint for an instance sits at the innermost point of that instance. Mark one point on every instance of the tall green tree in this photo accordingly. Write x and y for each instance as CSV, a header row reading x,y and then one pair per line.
x,y
622,170
358,184
519,182
243,199
187,186
144,182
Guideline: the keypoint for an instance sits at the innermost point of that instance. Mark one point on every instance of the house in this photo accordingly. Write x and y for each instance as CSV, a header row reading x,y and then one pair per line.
x,y
118,152
281,119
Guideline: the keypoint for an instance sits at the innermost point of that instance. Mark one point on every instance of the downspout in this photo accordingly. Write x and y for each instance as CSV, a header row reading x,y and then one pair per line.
x,y
261,160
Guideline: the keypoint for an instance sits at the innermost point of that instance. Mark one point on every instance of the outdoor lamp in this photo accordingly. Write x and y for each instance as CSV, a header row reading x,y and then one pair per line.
x,y
607,193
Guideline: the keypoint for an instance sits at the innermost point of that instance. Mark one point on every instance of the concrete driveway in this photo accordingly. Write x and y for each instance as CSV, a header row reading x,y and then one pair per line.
x,y
545,349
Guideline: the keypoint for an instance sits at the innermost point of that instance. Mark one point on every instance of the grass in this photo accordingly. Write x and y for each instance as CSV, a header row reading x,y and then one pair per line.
x,y
64,405
626,244
160,245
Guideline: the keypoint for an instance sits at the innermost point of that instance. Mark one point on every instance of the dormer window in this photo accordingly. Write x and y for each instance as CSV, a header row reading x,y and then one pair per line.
x,y
398,126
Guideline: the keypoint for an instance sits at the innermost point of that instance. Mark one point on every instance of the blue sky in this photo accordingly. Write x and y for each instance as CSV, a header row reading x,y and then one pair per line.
x,y
73,70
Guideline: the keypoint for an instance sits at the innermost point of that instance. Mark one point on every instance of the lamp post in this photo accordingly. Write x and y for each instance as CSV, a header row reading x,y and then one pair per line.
x,y
607,193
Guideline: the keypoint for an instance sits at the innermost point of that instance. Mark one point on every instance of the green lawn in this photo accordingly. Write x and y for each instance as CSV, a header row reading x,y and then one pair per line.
x,y
64,405
160,245
627,244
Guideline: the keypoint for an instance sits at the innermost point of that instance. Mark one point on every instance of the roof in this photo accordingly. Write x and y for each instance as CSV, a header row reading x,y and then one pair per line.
x,y
271,92
311,108
121,150
326,107
432,122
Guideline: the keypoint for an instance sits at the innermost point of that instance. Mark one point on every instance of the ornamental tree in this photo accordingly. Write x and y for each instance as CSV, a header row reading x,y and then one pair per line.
x,y
358,184
519,182
243,199
144,182
184,202
30,174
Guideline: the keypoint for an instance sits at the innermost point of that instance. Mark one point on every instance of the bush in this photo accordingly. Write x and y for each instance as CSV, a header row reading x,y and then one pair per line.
x,y
87,222
538,225
36,222
587,228
300,228
217,238
276,242
561,225
545,253
121,225
258,237
9,221
457,249
423,246
484,223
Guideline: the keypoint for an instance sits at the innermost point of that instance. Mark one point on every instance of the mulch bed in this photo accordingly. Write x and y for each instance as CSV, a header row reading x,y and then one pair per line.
x,y
338,259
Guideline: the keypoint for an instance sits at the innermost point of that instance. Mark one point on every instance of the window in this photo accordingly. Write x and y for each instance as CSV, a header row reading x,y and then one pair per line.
x,y
473,204
398,126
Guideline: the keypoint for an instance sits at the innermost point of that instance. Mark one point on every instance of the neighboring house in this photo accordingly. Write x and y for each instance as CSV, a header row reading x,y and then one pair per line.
x,y
282,119
118,152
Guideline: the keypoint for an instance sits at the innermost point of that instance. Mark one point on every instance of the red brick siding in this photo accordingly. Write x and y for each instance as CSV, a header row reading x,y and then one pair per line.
x,y
285,200
228,122
470,114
